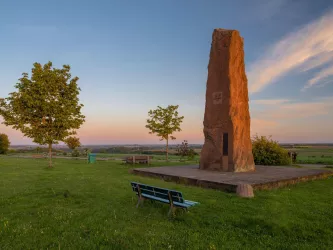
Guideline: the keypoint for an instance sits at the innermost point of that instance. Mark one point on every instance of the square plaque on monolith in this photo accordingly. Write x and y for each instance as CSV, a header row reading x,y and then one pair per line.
x,y
227,145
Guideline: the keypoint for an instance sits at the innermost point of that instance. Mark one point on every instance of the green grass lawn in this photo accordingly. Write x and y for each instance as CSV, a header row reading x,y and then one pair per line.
x,y
99,212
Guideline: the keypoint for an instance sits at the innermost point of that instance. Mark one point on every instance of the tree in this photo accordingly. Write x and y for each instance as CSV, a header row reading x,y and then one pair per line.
x,y
4,143
45,107
164,122
73,142
86,151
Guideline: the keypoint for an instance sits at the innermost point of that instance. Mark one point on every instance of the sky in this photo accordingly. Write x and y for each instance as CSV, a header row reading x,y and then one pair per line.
x,y
131,56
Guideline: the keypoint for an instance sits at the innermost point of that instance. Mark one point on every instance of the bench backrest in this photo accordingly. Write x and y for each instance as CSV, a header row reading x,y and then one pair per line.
x,y
162,193
139,157
36,156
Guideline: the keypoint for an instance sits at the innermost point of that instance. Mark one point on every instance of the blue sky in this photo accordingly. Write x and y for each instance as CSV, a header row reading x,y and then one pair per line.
x,y
131,56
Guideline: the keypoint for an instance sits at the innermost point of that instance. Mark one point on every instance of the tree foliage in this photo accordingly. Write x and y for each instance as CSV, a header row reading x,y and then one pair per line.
x,y
86,151
164,122
4,144
73,142
266,151
45,106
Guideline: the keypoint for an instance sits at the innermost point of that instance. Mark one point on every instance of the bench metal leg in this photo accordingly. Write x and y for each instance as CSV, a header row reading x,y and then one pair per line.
x,y
172,211
140,200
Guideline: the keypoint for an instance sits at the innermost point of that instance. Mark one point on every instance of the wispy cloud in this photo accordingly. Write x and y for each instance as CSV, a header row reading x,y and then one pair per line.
x,y
321,75
317,61
311,46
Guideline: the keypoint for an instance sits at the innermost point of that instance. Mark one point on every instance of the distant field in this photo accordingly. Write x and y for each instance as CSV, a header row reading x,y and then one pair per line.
x,y
314,154
116,156
155,157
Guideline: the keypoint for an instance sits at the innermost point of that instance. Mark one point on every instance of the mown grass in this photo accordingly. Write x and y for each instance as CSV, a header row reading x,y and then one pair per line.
x,y
82,206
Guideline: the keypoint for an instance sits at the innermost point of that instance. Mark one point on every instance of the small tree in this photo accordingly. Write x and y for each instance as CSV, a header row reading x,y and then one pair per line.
x,y
45,107
164,122
73,142
4,143
86,151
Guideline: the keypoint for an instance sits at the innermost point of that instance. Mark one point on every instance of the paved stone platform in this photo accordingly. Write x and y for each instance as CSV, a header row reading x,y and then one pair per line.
x,y
265,177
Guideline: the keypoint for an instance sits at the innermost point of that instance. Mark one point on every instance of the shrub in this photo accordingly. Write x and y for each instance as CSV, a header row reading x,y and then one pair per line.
x,y
191,154
75,153
4,144
11,151
268,152
184,150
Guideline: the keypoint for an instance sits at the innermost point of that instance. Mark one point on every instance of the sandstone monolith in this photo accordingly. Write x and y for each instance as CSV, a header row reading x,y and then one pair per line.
x,y
227,145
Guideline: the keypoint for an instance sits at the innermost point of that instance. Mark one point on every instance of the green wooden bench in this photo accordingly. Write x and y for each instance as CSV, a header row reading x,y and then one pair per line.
x,y
172,197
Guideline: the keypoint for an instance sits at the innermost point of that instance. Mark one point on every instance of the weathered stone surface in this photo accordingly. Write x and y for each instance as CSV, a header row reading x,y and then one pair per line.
x,y
227,116
264,178
245,190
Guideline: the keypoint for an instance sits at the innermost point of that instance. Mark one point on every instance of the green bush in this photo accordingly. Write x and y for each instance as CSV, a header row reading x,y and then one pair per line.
x,y
268,152
75,153
4,144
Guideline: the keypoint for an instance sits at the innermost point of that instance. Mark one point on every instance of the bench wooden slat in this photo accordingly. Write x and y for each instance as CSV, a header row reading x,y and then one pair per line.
x,y
155,198
159,192
138,158
134,184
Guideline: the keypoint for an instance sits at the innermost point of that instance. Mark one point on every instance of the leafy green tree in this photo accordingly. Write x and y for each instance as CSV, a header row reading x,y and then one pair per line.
x,y
4,143
46,106
73,142
164,122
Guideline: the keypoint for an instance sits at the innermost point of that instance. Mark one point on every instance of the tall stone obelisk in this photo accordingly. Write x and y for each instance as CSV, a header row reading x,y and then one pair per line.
x,y
227,145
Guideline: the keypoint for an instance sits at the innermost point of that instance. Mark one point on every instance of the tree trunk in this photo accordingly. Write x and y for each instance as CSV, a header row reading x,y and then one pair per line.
x,y
50,155
167,147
